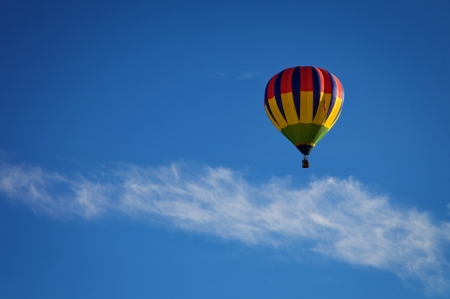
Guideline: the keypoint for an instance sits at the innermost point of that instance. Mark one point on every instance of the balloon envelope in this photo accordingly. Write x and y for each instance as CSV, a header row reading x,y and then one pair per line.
x,y
304,103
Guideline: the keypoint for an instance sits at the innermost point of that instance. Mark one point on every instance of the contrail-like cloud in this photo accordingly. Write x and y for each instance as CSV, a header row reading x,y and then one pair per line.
x,y
248,75
337,218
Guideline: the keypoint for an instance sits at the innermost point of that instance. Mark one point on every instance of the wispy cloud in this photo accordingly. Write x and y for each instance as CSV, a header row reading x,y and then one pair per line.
x,y
218,74
243,76
248,75
337,218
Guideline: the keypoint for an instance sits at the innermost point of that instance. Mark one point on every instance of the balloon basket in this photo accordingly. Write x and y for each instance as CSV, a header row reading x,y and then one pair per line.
x,y
305,162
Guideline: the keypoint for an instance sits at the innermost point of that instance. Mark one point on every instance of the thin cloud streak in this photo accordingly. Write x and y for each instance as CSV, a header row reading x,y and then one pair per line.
x,y
248,75
218,74
337,218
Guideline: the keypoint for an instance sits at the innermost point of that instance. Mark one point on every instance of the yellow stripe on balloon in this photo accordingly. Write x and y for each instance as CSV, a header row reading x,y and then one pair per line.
x,y
339,114
332,117
289,109
272,120
276,113
306,107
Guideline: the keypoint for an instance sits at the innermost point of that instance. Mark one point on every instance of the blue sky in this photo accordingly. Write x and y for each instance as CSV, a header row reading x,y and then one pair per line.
x,y
137,160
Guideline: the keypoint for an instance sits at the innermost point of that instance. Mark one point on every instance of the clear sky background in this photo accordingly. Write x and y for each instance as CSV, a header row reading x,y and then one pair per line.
x,y
137,160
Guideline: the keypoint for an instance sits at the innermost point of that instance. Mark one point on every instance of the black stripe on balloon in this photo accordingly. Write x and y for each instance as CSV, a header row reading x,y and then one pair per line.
x,y
266,104
337,114
316,90
296,90
333,93
277,92
271,114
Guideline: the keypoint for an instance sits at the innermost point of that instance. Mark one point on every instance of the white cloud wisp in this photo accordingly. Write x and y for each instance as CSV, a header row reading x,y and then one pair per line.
x,y
248,75
336,218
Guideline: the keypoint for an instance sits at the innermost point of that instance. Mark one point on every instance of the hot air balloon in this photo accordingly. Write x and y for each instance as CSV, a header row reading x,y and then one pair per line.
x,y
304,103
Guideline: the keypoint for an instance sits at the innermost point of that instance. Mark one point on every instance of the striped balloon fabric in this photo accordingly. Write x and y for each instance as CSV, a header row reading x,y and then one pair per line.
x,y
303,103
